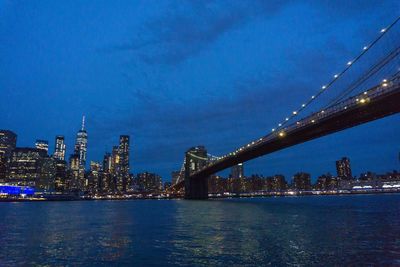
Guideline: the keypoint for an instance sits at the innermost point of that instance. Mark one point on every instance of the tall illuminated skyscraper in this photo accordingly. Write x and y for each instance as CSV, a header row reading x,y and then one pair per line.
x,y
59,148
81,144
123,163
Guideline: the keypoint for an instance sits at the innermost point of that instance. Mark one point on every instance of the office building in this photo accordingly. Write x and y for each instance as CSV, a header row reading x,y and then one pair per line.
x,y
8,141
148,182
59,148
122,166
343,168
237,171
301,181
25,166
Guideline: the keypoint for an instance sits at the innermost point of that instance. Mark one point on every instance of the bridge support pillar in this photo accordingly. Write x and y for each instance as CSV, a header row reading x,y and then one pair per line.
x,y
196,188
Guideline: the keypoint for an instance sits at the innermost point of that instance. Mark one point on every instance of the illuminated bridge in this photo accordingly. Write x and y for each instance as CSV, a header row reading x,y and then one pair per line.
x,y
370,100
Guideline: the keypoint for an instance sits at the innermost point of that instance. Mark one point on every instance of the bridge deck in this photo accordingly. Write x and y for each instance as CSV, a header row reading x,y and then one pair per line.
x,y
379,102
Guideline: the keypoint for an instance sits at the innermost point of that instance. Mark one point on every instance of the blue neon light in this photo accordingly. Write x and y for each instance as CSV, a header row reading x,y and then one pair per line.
x,y
16,190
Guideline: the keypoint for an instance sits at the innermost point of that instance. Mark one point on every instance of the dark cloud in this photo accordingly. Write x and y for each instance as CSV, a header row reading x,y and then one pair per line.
x,y
189,27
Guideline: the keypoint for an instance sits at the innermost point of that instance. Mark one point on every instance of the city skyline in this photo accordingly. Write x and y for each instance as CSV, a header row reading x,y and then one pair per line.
x,y
342,167
122,89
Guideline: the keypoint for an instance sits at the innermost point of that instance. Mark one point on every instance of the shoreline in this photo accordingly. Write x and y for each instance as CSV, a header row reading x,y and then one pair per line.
x,y
211,197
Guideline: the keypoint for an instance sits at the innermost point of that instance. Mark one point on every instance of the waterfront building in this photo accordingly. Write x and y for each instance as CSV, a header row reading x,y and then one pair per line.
x,y
7,191
217,184
148,182
279,183
301,181
268,184
25,166
43,145
8,141
81,144
254,183
59,148
343,168
46,179
326,182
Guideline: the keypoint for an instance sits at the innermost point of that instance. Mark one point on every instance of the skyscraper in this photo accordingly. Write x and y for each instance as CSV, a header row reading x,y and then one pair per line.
x,y
123,163
237,171
107,169
76,173
343,168
8,140
81,144
42,145
59,148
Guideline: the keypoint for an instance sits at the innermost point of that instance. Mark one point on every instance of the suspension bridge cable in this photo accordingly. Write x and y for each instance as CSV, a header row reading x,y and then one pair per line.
x,y
339,75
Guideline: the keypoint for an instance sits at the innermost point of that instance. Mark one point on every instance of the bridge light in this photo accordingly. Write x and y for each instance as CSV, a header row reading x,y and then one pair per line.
x,y
365,47
345,107
357,99
349,63
280,124
363,100
384,84
298,123
313,97
303,105
282,134
324,87
286,119
294,112
273,129
336,75
323,111
384,80
365,93
312,121
383,30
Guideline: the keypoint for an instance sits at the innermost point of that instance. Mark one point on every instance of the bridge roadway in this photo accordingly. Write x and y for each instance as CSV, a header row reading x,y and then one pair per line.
x,y
376,103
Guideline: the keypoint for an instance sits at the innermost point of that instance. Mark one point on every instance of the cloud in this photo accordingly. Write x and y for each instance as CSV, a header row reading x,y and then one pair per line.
x,y
190,27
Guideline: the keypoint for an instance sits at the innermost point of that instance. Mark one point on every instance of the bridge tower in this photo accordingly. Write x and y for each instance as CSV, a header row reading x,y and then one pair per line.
x,y
195,187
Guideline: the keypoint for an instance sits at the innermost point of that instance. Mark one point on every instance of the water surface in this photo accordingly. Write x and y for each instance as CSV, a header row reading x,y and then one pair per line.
x,y
316,230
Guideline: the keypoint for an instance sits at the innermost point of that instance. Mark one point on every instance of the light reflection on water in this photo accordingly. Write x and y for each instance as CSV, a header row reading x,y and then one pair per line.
x,y
345,230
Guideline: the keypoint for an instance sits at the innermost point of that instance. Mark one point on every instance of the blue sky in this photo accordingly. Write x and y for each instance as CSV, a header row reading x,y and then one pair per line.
x,y
174,74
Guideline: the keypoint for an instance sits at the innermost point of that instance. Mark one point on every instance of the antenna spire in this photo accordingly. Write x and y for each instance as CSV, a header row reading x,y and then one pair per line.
x,y
83,122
